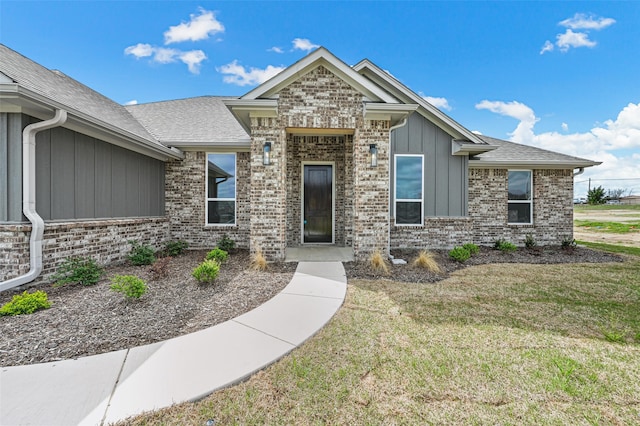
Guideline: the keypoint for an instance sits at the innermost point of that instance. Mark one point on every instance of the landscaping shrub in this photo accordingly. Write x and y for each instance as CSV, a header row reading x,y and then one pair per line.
x,y
504,246
568,244
473,249
175,248
258,262
207,271
130,286
218,255
141,254
25,303
81,270
460,254
160,268
378,263
427,261
226,243
529,241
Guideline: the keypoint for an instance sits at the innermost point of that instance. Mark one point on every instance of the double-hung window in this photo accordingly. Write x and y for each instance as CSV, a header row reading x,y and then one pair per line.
x,y
221,189
409,189
520,203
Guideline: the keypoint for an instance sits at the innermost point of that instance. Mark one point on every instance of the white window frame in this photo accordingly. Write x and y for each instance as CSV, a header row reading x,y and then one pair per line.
x,y
410,200
530,201
235,193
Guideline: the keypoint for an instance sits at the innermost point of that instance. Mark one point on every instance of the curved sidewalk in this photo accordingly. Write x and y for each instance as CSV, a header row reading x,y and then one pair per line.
x,y
105,388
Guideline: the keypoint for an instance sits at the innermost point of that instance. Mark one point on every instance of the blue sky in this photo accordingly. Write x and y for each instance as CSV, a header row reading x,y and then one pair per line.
x,y
559,75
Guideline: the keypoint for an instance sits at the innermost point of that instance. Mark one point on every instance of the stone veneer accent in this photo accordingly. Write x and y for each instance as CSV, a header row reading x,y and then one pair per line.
x,y
319,100
552,207
185,200
106,241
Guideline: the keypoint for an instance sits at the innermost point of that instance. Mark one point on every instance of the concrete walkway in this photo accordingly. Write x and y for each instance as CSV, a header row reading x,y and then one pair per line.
x,y
105,388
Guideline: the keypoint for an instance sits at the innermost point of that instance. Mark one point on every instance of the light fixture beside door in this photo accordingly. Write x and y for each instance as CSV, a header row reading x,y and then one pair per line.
x,y
373,154
266,153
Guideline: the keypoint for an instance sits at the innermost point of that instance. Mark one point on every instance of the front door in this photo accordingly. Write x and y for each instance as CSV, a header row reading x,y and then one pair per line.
x,y
317,215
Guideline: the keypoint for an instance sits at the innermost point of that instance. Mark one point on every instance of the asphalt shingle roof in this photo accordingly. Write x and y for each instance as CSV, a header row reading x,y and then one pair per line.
x,y
68,92
511,152
194,121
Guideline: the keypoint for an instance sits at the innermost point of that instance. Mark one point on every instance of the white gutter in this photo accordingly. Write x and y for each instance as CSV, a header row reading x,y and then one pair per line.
x,y
392,128
579,172
29,198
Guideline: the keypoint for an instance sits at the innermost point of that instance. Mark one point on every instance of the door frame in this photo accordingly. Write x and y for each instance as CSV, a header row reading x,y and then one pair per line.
x,y
333,198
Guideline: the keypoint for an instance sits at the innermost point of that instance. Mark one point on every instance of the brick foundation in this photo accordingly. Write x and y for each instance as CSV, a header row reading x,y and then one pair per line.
x,y
437,232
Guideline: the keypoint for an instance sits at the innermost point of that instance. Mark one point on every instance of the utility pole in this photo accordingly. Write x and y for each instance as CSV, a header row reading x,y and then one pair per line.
x,y
589,185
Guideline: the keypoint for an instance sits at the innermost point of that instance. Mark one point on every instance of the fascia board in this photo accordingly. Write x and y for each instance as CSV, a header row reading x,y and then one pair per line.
x,y
90,126
465,148
320,56
393,112
532,164
405,94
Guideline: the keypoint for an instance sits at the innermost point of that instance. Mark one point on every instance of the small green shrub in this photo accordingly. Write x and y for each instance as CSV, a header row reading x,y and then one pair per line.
x,y
25,303
473,249
217,254
81,270
175,248
569,244
504,246
207,271
141,254
131,286
460,254
226,243
529,241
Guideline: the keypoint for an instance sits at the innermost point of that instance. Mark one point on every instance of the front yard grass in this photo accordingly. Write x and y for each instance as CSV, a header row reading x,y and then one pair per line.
x,y
492,344
615,227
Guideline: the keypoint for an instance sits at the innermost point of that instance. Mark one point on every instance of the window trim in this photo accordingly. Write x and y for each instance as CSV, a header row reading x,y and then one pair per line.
x,y
206,191
530,201
409,200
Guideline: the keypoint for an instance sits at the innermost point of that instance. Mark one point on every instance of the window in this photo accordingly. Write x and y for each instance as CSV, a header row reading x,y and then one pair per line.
x,y
221,189
409,182
520,197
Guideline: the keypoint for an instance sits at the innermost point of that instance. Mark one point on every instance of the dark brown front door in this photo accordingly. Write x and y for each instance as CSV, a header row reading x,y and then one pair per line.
x,y
318,204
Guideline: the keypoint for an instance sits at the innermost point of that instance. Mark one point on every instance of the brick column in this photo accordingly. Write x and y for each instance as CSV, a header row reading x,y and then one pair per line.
x,y
371,190
268,190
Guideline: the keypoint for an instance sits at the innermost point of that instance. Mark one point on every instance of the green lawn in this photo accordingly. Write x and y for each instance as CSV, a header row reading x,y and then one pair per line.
x,y
587,207
615,227
492,344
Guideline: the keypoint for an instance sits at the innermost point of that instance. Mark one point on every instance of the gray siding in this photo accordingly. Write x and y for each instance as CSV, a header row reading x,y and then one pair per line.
x,y
11,126
77,176
445,175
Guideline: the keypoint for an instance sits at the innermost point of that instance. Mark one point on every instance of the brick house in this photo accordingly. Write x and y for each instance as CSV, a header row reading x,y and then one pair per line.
x,y
322,153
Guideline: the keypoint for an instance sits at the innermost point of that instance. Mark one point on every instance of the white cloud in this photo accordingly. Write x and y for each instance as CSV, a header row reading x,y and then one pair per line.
x,y
570,39
476,132
548,47
163,55
275,49
565,127
573,39
140,50
303,44
200,27
580,21
441,103
616,143
238,75
132,102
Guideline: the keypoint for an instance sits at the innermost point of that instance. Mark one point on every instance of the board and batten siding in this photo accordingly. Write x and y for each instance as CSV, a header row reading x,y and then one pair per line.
x,y
445,175
80,177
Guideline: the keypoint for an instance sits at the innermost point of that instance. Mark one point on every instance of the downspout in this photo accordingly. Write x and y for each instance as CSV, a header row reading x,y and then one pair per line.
x,y
579,172
391,129
29,198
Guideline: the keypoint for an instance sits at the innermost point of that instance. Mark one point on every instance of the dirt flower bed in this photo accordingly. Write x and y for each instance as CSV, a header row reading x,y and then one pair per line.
x,y
88,320
539,255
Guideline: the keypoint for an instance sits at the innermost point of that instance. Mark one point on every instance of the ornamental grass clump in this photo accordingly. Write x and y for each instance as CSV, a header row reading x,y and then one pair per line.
x,y
426,260
207,271
130,286
81,270
217,254
378,263
258,261
25,303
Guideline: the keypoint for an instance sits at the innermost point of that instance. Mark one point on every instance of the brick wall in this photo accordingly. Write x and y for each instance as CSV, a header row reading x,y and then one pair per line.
x,y
106,241
552,207
185,200
437,232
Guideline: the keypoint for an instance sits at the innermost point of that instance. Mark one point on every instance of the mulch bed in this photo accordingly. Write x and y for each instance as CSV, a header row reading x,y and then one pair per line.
x,y
537,255
88,320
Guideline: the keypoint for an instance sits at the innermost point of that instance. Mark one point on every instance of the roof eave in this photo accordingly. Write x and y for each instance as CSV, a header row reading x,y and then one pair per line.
x,y
531,164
